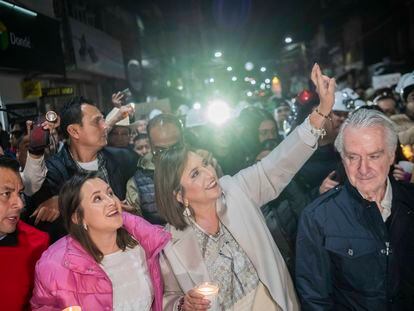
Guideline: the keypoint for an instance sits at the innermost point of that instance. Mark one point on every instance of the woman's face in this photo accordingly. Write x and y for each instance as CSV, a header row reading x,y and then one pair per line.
x,y
101,208
267,130
199,181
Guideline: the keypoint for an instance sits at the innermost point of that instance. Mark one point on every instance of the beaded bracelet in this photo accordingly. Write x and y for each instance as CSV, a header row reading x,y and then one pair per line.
x,y
323,115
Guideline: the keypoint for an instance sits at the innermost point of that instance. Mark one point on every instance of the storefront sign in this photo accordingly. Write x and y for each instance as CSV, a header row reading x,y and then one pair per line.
x,y
31,89
30,42
58,91
96,51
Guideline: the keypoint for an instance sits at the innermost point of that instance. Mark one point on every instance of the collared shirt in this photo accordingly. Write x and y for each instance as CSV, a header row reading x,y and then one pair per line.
x,y
387,202
9,239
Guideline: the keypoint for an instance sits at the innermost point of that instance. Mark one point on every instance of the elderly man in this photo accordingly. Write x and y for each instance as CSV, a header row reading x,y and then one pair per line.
x,y
355,244
20,244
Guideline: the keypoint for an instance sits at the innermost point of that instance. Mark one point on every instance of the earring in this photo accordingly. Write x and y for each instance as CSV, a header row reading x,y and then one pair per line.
x,y
187,212
85,226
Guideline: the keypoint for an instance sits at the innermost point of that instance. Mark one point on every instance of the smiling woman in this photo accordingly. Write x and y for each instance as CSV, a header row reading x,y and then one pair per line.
x,y
102,255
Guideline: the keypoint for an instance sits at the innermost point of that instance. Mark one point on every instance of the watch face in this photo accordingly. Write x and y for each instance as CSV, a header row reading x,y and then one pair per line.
x,y
51,116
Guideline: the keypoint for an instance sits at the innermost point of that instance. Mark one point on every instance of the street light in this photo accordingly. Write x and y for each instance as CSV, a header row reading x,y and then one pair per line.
x,y
249,66
288,40
218,54
234,78
263,69
229,68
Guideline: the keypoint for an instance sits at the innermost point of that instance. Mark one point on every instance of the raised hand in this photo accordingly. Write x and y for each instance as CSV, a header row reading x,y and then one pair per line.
x,y
117,99
325,87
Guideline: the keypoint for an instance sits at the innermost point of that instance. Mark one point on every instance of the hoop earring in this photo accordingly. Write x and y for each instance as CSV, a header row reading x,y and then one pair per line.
x,y
187,212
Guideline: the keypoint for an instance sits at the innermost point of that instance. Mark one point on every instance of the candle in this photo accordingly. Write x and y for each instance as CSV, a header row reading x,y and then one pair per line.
x,y
73,308
209,291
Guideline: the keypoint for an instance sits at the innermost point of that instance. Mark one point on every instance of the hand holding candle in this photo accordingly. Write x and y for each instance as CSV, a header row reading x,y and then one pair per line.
x,y
203,297
209,291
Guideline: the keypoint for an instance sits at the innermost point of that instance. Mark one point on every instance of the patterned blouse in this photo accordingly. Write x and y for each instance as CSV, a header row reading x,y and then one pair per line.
x,y
227,265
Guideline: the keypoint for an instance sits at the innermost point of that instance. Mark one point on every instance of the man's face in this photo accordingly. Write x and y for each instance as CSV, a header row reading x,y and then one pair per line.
x,y
387,105
119,137
267,130
142,146
11,204
142,126
93,130
164,136
366,159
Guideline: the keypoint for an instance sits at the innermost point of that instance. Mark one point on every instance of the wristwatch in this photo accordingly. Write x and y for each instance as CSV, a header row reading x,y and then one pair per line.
x,y
51,116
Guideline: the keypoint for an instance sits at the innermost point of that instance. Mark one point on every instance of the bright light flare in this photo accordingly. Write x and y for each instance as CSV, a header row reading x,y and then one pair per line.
x,y
218,112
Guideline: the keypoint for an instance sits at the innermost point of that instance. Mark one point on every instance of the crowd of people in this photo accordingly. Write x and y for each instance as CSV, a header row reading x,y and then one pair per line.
x,y
291,205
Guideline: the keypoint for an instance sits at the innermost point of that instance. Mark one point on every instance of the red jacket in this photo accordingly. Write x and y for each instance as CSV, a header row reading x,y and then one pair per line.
x,y
18,256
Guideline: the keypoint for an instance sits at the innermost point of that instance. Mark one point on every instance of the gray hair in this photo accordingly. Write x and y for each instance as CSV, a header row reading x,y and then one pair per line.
x,y
364,118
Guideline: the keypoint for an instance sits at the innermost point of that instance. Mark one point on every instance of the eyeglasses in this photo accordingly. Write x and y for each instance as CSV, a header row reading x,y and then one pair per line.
x,y
157,151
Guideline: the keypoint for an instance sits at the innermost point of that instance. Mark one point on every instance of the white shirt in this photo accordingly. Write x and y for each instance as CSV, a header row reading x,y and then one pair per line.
x,y
131,283
387,202
89,166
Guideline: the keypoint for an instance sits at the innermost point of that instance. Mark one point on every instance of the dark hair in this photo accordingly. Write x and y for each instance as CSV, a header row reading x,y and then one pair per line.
x,y
12,164
69,204
71,113
140,136
250,119
162,119
167,177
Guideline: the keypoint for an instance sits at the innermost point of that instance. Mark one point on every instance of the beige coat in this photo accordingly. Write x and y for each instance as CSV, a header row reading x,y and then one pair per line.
x,y
239,210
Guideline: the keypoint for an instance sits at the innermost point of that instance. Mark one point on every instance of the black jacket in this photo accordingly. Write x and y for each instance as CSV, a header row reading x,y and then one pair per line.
x,y
349,259
282,217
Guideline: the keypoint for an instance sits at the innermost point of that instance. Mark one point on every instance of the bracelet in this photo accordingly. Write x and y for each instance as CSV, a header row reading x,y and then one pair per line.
x,y
323,115
180,304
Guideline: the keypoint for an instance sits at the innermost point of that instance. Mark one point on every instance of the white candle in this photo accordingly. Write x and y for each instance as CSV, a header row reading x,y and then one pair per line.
x,y
209,291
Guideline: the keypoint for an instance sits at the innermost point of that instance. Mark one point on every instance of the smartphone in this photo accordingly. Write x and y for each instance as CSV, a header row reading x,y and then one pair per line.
x,y
127,95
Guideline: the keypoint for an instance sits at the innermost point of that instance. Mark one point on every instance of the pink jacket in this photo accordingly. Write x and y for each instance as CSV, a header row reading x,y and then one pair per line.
x,y
66,275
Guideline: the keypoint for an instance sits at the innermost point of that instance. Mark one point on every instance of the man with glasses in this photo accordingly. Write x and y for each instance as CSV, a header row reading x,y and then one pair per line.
x,y
164,132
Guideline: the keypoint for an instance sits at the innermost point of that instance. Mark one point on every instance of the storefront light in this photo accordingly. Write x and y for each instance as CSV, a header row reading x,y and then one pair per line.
x,y
18,8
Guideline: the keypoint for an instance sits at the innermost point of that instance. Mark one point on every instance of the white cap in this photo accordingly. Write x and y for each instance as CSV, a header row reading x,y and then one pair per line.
x,y
154,113
344,96
196,117
112,113
405,81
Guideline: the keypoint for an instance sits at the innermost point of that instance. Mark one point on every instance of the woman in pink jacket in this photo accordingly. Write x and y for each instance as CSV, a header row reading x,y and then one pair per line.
x,y
109,260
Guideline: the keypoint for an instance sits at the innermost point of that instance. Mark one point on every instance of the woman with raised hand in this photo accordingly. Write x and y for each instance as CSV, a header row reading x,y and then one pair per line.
x,y
218,232
108,261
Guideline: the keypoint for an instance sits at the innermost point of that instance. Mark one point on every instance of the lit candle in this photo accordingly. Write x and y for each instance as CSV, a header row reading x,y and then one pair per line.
x,y
73,308
209,291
